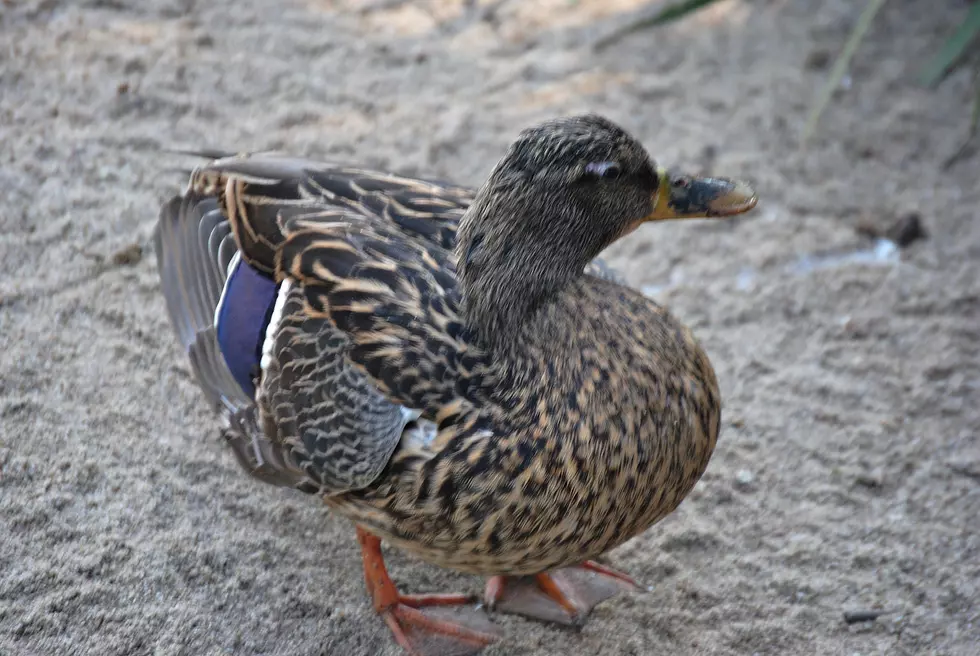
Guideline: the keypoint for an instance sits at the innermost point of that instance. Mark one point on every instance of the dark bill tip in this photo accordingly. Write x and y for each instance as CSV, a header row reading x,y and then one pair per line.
x,y
689,197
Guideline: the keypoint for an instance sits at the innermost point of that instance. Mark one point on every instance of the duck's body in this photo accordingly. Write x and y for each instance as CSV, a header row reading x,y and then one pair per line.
x,y
490,399
584,458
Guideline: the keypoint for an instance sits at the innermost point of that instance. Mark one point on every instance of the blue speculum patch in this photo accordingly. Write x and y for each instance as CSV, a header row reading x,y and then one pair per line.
x,y
242,318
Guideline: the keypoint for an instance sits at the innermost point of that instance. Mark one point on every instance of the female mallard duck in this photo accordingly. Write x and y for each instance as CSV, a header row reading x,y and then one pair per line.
x,y
490,399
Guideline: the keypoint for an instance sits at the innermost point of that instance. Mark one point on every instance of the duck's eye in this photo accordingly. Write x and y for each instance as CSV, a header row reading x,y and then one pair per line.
x,y
607,170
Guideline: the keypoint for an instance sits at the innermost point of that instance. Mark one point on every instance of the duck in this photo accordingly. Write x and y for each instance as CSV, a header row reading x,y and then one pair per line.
x,y
456,371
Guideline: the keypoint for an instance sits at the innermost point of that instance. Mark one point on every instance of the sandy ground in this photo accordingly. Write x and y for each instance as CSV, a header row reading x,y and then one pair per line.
x,y
848,472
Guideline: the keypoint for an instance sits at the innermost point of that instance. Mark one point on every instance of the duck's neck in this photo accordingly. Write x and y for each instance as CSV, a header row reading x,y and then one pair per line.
x,y
514,259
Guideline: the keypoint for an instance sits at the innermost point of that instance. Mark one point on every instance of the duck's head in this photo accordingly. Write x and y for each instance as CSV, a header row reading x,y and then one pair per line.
x,y
565,190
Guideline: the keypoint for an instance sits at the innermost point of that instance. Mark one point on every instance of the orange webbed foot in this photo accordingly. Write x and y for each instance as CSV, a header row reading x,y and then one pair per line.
x,y
424,625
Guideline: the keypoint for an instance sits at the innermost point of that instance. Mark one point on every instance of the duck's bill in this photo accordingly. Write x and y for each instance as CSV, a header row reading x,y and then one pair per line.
x,y
690,197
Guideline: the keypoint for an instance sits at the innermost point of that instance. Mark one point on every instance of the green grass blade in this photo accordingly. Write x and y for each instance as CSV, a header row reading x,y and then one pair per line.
x,y
967,147
975,115
953,49
672,12
840,66
675,11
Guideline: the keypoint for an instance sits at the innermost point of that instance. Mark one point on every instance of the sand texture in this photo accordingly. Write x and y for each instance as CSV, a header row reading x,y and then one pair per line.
x,y
848,471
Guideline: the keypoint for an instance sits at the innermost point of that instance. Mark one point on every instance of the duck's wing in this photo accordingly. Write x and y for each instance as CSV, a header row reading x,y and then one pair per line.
x,y
379,278
397,300
315,421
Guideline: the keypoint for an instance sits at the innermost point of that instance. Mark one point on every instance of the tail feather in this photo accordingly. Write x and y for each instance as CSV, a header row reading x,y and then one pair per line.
x,y
192,246
261,457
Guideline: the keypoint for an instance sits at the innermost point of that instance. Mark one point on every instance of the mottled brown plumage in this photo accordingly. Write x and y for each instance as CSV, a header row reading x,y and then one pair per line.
x,y
491,400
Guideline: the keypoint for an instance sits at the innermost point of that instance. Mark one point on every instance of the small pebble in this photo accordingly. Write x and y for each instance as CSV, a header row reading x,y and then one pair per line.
x,y
858,616
817,60
744,477
907,230
872,479
129,255
903,232
867,227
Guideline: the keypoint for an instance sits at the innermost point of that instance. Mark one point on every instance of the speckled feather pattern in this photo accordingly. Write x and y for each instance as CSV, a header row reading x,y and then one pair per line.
x,y
537,461
555,469
338,428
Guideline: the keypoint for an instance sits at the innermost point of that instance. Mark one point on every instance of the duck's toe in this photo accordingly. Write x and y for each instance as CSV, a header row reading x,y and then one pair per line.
x,y
440,630
564,596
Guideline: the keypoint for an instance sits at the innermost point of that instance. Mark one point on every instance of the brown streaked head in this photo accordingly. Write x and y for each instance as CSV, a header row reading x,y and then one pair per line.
x,y
565,190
